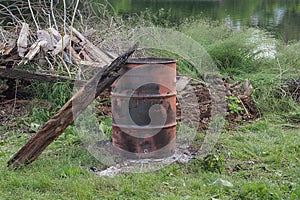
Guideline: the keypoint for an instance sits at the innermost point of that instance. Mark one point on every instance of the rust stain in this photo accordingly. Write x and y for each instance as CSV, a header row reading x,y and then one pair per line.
x,y
138,141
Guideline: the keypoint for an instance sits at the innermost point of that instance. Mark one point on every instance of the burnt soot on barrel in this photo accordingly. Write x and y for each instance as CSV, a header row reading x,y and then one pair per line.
x,y
144,109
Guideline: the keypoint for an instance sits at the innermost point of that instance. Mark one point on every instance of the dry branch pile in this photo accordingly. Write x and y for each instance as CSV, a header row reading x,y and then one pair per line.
x,y
42,34
38,41
49,44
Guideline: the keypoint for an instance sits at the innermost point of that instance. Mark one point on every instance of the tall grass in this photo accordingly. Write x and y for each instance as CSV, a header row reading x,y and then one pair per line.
x,y
251,54
234,51
57,93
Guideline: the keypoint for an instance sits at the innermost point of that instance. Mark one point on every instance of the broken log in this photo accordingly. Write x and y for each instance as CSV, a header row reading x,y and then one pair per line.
x,y
58,123
11,73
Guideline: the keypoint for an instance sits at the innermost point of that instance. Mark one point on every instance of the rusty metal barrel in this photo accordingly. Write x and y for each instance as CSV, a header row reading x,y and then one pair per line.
x,y
144,109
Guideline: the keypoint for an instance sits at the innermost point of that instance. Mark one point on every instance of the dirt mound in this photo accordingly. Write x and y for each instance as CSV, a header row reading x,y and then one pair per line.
x,y
240,108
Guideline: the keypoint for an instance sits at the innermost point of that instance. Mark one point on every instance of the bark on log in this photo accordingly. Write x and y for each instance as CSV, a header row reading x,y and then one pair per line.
x,y
58,123
29,76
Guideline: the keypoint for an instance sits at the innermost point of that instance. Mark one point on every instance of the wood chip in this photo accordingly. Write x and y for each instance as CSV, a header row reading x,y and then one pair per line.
x,y
35,49
22,42
45,35
6,48
61,45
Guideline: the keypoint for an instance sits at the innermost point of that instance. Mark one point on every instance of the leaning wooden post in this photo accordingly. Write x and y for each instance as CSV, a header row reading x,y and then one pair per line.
x,y
58,123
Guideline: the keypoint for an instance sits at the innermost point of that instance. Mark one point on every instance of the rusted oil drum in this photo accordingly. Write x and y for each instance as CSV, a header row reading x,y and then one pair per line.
x,y
144,109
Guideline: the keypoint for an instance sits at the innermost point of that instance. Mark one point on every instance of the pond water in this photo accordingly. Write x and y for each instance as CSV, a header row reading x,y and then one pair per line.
x,y
281,17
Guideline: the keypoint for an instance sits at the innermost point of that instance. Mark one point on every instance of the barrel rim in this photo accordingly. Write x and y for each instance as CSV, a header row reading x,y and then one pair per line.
x,y
150,60
144,127
132,95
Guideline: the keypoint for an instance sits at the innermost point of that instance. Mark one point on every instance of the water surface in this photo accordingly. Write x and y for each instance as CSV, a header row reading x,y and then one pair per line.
x,y
281,17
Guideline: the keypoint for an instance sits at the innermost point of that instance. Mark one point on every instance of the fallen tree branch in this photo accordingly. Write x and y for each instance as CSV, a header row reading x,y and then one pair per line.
x,y
58,123
26,75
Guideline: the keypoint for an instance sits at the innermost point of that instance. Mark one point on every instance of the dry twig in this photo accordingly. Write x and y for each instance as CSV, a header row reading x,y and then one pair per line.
x,y
32,14
53,16
72,23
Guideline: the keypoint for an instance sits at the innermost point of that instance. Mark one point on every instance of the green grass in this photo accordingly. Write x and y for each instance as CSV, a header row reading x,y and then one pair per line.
x,y
261,160
58,93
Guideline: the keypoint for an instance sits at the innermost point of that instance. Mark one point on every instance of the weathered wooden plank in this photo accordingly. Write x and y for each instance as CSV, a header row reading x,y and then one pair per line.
x,y
34,50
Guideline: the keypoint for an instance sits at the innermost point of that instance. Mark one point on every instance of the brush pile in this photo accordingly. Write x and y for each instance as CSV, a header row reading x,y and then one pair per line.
x,y
48,44
238,108
39,41
32,33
